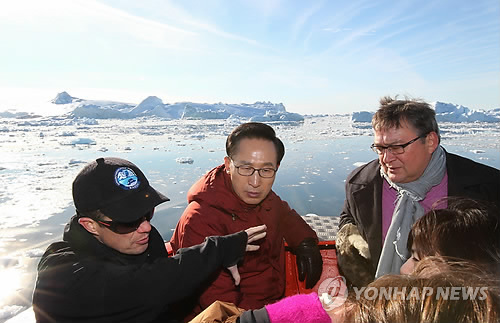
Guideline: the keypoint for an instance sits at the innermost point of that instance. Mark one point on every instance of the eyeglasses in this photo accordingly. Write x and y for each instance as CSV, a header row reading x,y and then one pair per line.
x,y
245,170
126,227
395,149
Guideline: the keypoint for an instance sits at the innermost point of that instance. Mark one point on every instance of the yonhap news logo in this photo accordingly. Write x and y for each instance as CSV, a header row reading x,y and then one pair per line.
x,y
453,293
332,292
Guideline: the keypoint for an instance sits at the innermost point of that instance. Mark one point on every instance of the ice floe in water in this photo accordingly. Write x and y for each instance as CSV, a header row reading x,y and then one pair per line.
x,y
80,141
184,160
76,161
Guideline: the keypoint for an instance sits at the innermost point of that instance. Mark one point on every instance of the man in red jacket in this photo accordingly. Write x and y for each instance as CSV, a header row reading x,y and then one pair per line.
x,y
236,195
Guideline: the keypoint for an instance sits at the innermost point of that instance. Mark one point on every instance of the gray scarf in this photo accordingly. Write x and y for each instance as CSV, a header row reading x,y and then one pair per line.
x,y
407,211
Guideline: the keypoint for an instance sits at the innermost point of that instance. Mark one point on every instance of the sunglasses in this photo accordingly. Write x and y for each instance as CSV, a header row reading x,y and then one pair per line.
x,y
126,227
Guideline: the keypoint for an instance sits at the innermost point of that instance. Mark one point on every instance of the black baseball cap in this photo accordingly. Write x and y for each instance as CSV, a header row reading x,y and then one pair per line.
x,y
117,188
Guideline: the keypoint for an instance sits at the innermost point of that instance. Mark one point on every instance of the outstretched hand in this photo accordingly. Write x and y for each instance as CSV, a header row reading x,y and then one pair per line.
x,y
254,234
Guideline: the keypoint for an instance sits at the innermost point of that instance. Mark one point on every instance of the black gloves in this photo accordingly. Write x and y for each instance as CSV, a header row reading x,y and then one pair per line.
x,y
309,262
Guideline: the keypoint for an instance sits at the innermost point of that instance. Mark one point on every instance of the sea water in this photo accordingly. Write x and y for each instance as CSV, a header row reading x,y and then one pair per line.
x,y
40,158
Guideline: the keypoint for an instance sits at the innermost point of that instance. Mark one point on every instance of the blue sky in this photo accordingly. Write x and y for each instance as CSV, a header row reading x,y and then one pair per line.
x,y
327,56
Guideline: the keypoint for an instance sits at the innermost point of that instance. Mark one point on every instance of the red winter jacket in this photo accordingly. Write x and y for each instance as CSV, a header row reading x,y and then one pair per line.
x,y
214,209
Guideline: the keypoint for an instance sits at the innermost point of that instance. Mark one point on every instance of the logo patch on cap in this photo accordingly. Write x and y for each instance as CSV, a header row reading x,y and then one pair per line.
x,y
126,178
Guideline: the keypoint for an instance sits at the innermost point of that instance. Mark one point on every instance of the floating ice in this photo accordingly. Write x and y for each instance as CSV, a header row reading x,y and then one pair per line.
x,y
86,121
184,160
281,116
448,112
82,141
362,116
198,136
67,134
150,132
153,106
477,151
358,164
76,161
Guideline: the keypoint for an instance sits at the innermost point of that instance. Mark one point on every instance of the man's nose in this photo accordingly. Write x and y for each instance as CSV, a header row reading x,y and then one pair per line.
x,y
254,179
387,156
144,227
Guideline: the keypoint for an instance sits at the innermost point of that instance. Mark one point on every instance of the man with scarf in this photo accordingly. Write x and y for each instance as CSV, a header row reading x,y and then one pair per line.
x,y
112,265
387,195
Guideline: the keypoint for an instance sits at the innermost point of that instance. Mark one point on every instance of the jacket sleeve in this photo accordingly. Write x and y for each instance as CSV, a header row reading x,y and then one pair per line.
x,y
346,215
106,291
193,228
294,226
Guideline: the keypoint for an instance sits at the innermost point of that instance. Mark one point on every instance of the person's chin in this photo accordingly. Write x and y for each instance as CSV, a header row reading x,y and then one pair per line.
x,y
394,174
253,199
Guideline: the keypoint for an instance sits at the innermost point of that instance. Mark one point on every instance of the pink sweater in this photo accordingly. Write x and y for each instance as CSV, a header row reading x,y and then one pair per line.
x,y
303,308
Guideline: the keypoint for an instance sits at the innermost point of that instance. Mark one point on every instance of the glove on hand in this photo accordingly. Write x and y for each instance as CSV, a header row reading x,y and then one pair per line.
x,y
309,262
353,256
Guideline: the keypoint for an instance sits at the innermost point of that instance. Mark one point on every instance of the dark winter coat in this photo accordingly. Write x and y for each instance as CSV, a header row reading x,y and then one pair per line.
x,y
82,280
363,203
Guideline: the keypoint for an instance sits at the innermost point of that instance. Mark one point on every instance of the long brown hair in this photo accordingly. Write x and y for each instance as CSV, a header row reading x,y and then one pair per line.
x,y
428,304
466,229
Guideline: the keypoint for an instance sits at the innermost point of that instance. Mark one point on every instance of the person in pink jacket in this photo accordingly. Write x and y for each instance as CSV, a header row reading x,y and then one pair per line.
x,y
236,195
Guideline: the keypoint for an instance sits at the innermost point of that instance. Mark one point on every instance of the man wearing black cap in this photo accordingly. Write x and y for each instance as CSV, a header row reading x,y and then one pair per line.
x,y
112,265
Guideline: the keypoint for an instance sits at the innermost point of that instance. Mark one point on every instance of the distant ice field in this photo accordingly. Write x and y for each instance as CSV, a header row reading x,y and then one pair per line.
x,y
39,159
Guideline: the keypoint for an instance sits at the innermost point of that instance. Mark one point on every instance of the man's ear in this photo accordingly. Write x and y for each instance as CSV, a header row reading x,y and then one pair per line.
x,y
89,225
432,141
227,164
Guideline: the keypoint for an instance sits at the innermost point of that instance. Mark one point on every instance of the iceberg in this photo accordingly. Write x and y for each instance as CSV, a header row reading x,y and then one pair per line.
x,y
153,106
280,116
64,98
445,112
449,112
362,116
195,113
184,160
151,103
105,110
